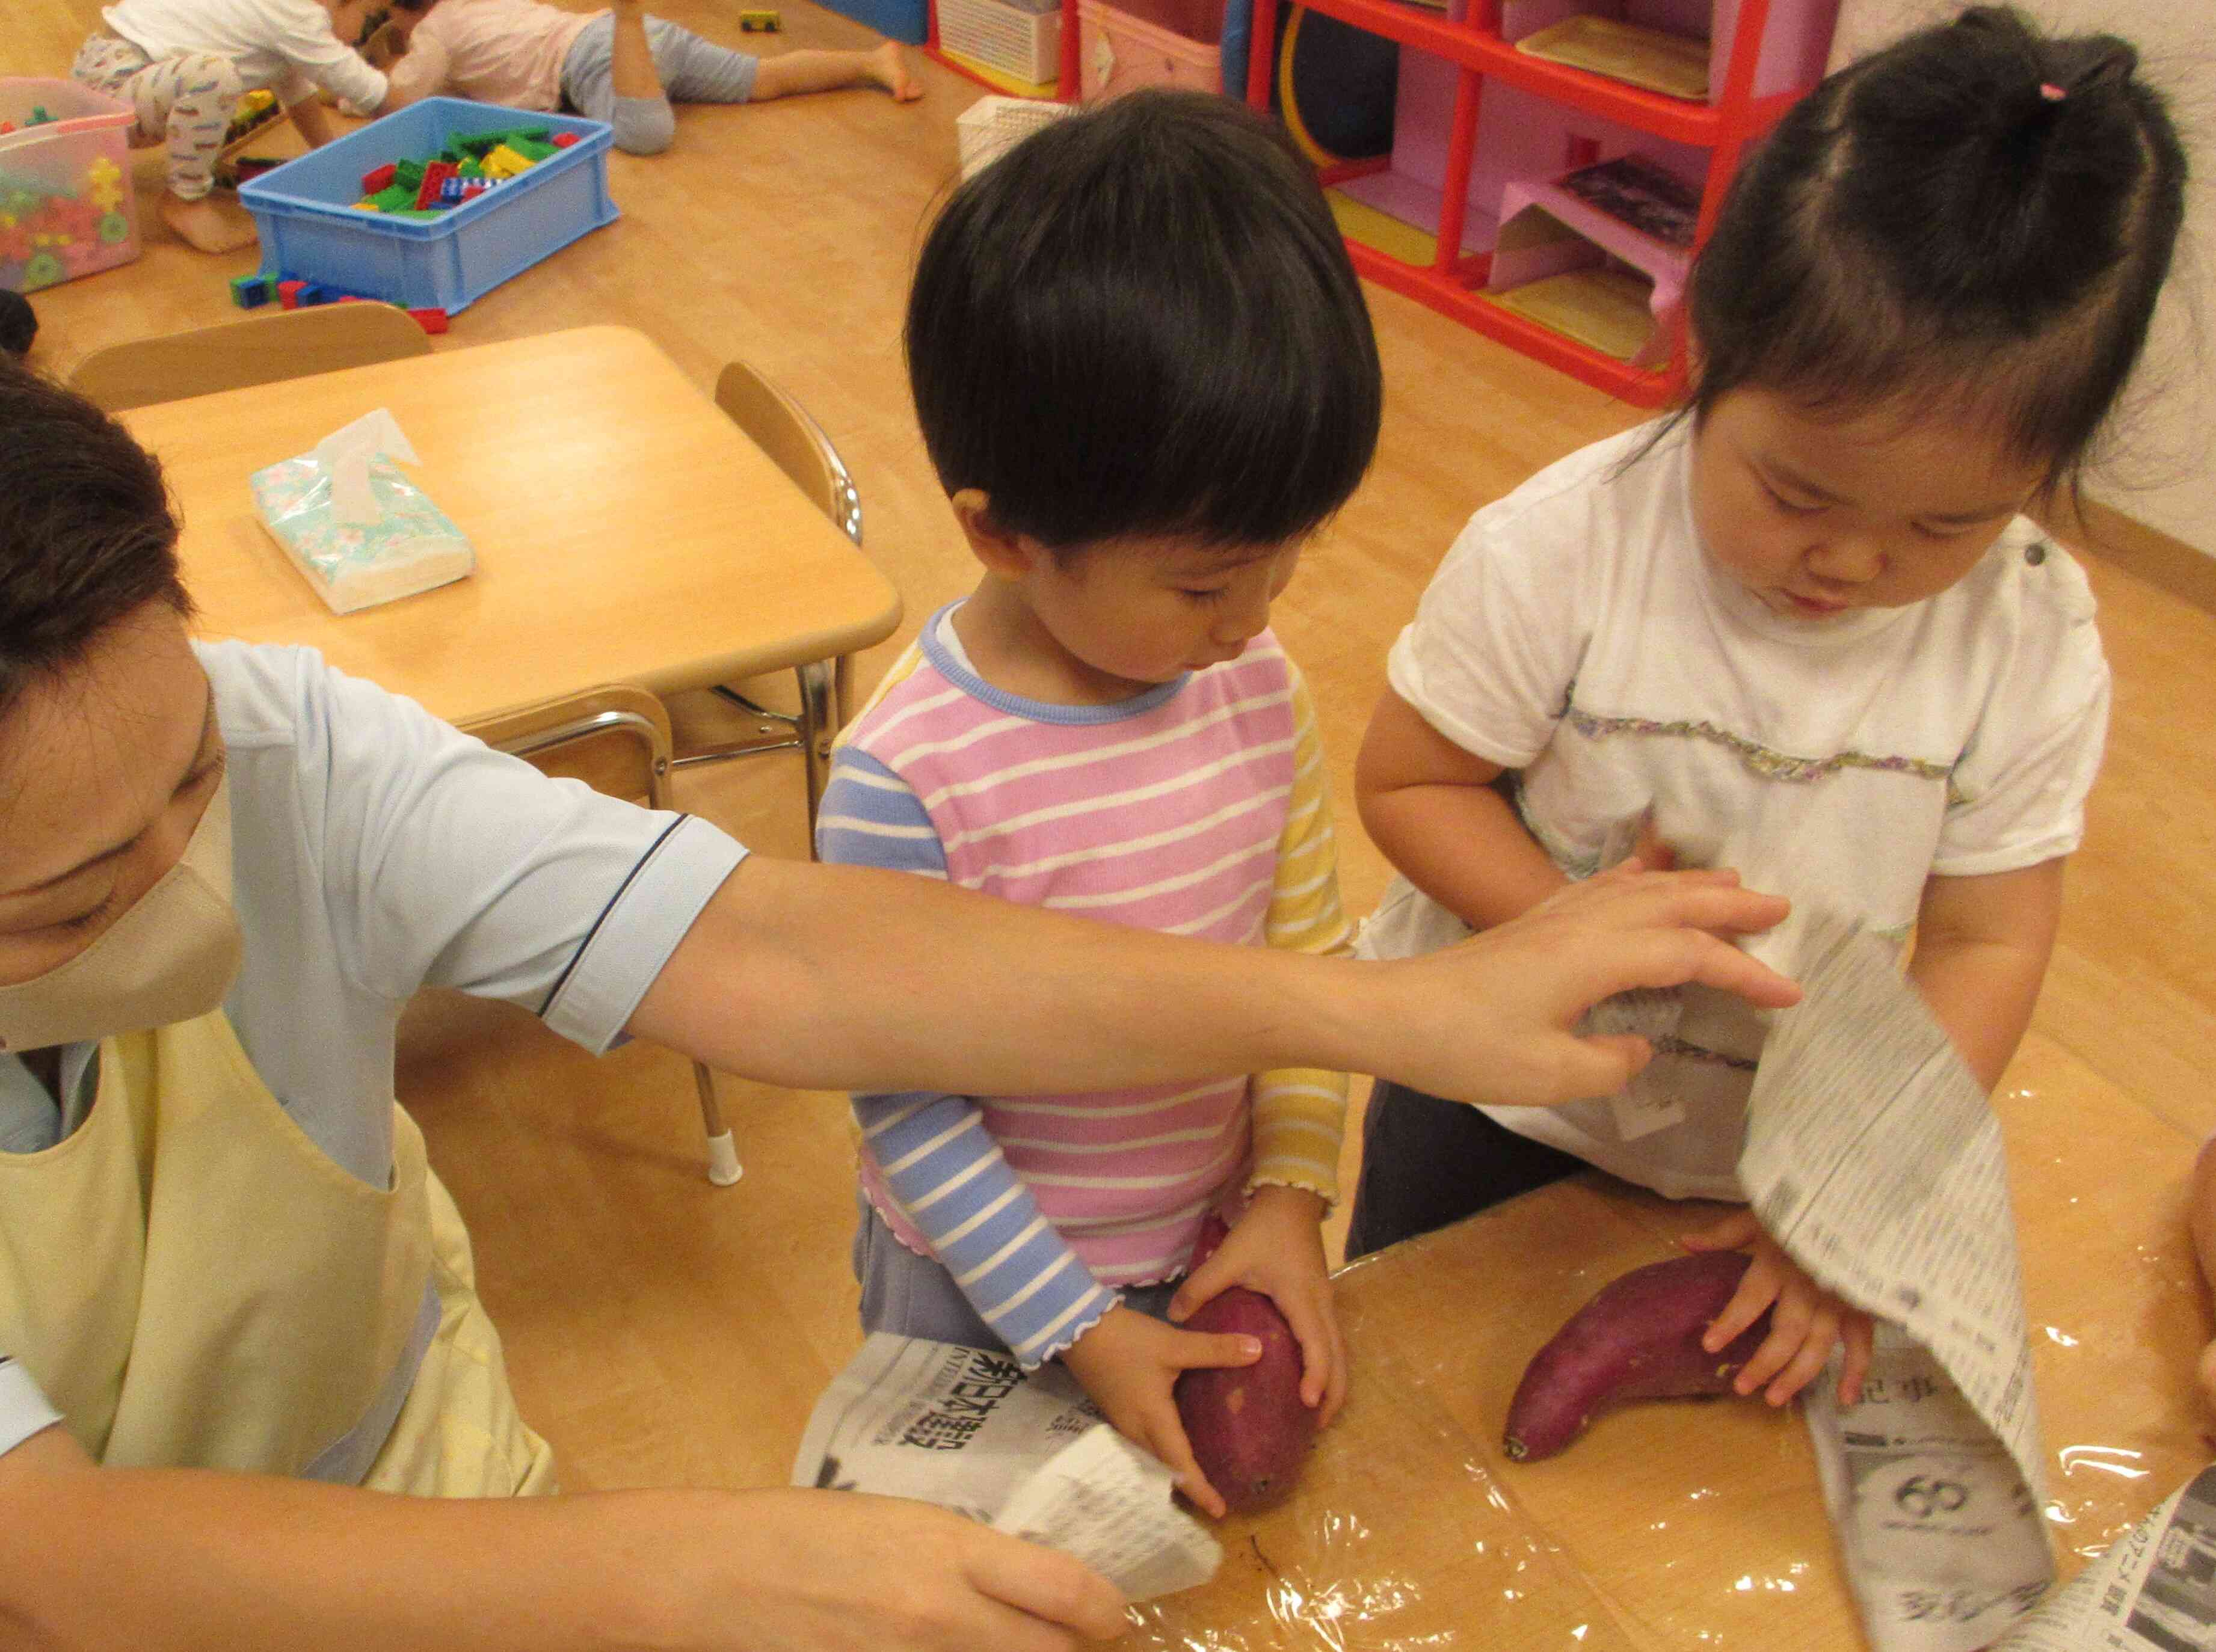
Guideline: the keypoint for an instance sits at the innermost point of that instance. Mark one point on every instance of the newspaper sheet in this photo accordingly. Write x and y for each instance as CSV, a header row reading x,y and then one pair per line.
x,y
1874,1159
2153,1591
964,1428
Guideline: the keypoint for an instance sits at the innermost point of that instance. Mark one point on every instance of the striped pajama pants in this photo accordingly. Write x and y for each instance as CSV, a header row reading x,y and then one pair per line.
x,y
184,102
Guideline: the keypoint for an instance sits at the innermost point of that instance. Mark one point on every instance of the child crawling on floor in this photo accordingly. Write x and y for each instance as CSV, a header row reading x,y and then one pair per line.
x,y
182,65
618,66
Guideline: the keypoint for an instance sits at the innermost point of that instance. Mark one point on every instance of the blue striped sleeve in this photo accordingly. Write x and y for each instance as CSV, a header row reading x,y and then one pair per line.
x,y
947,1175
23,1409
941,1165
871,817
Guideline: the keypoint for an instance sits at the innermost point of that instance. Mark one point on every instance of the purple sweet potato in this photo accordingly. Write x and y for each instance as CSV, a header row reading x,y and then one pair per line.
x,y
1248,1428
1639,1339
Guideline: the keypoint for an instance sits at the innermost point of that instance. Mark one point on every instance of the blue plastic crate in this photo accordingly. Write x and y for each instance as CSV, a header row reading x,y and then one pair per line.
x,y
311,228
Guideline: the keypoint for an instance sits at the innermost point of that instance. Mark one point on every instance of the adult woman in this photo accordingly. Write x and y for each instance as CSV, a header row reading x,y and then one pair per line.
x,y
222,870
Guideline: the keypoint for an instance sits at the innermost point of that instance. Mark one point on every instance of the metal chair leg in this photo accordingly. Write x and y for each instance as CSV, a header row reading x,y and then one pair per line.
x,y
819,726
723,1152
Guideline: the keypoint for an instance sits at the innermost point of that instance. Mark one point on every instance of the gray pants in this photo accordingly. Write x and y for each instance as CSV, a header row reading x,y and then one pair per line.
x,y
692,71
913,1296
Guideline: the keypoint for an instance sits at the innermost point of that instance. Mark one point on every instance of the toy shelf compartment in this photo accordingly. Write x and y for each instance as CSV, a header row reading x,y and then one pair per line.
x,y
1484,133
311,228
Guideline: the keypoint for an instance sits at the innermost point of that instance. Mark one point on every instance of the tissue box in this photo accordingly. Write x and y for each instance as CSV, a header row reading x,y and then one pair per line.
x,y
411,546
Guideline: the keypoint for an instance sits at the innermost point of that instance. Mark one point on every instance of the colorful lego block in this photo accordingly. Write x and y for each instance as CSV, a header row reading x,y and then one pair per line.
x,y
502,161
436,172
431,320
564,140
251,291
288,293
761,22
379,179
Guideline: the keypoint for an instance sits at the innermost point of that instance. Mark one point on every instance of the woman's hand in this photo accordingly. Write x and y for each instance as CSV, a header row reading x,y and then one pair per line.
x,y
1130,1364
1489,1020
1805,1321
1277,1249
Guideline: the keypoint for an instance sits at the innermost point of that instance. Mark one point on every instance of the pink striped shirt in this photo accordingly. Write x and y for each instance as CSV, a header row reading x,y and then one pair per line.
x,y
1172,811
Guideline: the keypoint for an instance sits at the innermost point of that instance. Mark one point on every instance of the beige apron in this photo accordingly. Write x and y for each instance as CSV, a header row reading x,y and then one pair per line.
x,y
195,1283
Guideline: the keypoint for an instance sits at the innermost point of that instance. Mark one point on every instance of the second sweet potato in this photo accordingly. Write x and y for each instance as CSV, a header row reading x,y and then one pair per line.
x,y
1639,1338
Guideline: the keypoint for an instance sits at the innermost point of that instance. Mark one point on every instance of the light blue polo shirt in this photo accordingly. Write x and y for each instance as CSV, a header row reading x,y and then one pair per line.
x,y
375,851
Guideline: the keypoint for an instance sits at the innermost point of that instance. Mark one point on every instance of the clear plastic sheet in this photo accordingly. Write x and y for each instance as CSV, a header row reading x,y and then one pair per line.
x,y
1686,1524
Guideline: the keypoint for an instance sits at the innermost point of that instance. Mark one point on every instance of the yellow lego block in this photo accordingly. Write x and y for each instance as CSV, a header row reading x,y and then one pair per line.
x,y
102,170
502,161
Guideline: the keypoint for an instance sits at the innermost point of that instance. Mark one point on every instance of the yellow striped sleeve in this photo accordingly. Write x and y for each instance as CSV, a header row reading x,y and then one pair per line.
x,y
1300,1113
905,666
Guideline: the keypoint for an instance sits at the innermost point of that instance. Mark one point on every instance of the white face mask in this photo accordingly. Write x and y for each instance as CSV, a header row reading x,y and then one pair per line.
x,y
170,958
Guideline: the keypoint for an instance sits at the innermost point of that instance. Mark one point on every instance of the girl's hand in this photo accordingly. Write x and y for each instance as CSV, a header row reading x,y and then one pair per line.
x,y
1806,1322
1278,1248
1129,1364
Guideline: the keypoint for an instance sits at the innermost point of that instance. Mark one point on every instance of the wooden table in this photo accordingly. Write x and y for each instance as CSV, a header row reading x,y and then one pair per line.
x,y
626,531
1675,1526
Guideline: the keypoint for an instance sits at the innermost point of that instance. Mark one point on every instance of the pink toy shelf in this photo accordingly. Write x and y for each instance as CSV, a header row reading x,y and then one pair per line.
x,y
1542,189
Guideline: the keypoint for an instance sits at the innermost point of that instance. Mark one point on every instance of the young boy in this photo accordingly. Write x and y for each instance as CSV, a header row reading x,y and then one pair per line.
x,y
1145,375
618,66
183,65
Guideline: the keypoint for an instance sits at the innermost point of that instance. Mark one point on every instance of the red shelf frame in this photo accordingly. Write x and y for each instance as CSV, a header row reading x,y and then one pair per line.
x,y
1724,126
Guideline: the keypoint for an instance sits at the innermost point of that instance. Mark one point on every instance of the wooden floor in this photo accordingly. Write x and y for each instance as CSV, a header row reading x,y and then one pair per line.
x,y
661,1331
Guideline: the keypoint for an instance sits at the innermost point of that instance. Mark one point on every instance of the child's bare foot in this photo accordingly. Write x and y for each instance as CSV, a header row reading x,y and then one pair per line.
x,y
210,225
889,67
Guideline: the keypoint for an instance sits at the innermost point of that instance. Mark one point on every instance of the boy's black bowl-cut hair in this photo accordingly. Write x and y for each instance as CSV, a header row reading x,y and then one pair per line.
x,y
1142,321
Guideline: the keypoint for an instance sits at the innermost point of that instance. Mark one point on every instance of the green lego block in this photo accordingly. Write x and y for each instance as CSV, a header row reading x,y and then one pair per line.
x,y
407,173
393,197
532,149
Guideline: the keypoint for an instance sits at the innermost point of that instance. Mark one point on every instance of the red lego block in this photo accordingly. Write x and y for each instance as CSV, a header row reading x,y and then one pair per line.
x,y
288,293
431,320
378,178
563,139
434,173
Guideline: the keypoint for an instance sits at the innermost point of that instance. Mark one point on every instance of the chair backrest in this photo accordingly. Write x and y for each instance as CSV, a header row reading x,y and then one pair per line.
x,y
780,427
615,738
259,350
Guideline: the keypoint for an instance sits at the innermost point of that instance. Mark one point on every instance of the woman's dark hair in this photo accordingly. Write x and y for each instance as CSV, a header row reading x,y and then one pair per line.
x,y
1141,320
86,532
1975,220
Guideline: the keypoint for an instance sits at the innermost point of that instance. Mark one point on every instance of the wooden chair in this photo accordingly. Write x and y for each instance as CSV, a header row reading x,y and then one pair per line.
x,y
780,427
258,350
615,739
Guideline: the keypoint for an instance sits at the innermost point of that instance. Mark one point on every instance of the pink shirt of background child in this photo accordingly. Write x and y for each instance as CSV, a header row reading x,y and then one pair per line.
x,y
505,52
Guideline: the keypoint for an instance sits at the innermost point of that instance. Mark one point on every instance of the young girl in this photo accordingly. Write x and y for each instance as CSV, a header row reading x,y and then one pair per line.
x,y
1802,629
1145,374
618,66
183,65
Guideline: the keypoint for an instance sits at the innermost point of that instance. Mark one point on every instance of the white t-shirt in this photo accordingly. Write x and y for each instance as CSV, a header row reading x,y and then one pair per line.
x,y
1577,633
285,44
